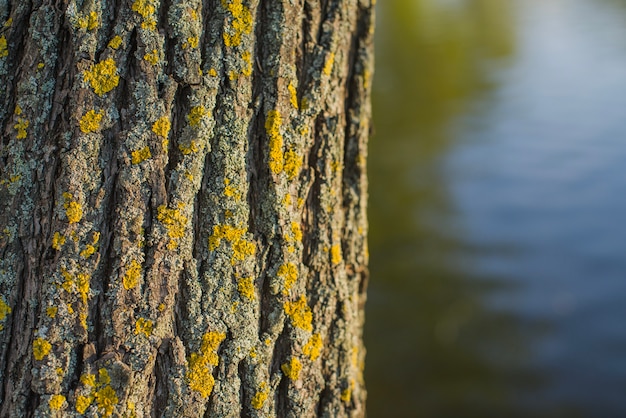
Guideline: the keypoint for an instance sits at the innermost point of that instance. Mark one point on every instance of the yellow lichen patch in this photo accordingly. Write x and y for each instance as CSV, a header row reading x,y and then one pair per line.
x,y
287,200
140,155
300,202
144,326
289,273
18,110
106,399
346,395
133,273
144,7
313,347
88,251
296,231
245,286
293,96
193,147
40,66
328,66
60,371
259,399
56,402
73,209
88,379
241,250
51,311
82,403
196,114
241,23
199,374
41,348
102,76
162,126
90,122
115,42
4,310
103,377
57,241
4,51
300,314
174,222
293,163
292,368
273,123
335,254
90,22
20,127
241,247
247,59
82,283
8,23
212,72
192,42
152,57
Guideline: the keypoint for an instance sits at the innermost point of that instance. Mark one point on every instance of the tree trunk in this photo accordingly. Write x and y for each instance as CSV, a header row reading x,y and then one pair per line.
x,y
183,207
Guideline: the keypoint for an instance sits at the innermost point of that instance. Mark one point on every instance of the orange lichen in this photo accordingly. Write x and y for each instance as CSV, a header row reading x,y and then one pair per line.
x,y
300,313
313,347
292,368
102,76
245,286
144,326
273,123
41,348
140,155
199,373
133,273
241,23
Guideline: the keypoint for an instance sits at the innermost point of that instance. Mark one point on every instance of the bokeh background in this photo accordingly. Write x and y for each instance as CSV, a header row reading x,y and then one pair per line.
x,y
498,210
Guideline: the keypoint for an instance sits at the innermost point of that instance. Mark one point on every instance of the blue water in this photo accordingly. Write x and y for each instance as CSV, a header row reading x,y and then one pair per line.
x,y
519,190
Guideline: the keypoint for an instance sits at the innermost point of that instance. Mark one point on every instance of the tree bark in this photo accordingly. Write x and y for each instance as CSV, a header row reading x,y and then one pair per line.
x,y
183,207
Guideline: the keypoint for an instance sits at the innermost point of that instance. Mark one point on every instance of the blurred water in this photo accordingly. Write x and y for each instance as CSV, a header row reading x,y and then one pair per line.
x,y
497,203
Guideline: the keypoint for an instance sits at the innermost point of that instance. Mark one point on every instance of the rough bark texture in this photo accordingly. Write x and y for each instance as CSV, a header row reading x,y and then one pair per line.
x,y
182,207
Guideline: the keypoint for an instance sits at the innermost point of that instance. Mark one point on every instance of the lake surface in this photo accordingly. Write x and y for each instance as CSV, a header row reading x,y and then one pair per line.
x,y
498,210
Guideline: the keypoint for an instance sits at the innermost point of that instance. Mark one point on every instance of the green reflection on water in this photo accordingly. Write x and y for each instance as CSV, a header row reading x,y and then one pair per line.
x,y
434,348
